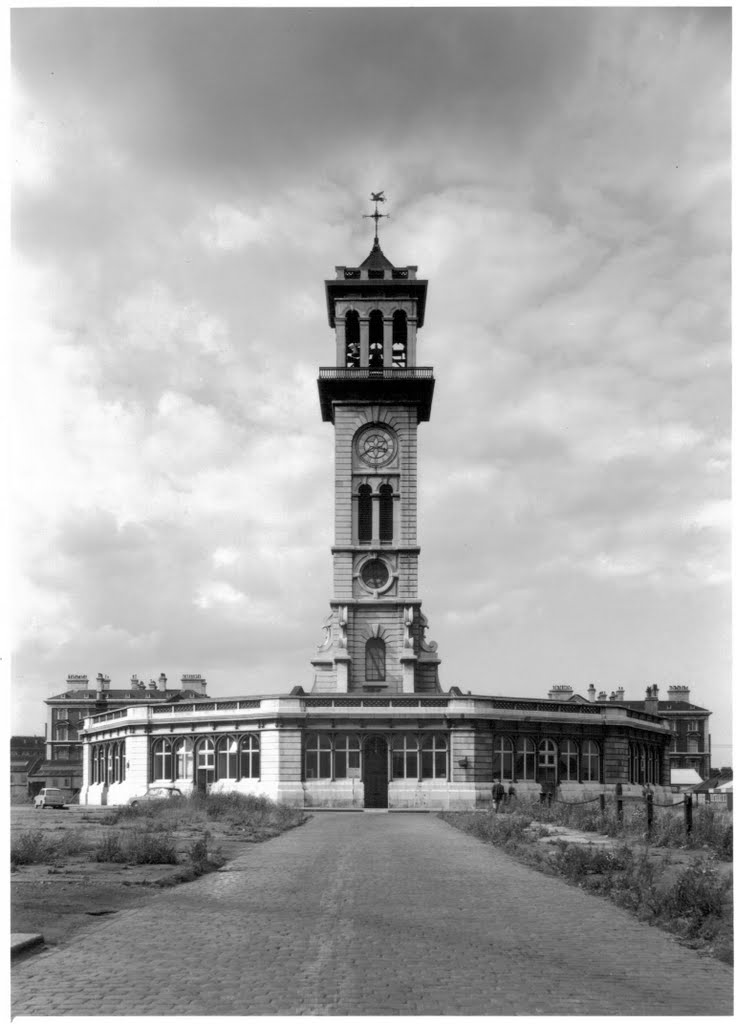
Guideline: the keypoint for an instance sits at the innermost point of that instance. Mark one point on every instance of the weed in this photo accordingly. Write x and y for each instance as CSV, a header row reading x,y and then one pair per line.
x,y
31,847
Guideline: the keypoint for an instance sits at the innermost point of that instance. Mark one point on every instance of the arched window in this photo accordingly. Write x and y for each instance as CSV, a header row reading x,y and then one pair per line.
x,y
347,756
184,759
503,758
375,339
434,757
227,758
650,765
352,338
398,356
250,757
591,762
318,757
101,764
375,660
162,761
568,761
547,761
94,774
365,514
386,512
525,760
115,763
109,767
405,756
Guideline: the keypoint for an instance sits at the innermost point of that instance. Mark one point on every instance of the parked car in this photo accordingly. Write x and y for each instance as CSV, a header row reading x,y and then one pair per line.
x,y
49,797
156,793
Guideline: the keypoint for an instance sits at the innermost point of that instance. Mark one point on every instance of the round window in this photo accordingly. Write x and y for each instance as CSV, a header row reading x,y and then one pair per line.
x,y
374,574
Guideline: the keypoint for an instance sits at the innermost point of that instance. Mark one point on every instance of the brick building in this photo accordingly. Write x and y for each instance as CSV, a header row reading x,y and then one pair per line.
x,y
375,729
61,764
25,753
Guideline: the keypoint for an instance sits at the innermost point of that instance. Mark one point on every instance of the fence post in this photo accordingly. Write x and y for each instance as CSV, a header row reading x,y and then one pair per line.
x,y
729,801
602,799
650,813
619,801
688,804
707,796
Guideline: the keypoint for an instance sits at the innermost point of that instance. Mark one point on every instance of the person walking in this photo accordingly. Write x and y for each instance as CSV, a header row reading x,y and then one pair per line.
x,y
497,793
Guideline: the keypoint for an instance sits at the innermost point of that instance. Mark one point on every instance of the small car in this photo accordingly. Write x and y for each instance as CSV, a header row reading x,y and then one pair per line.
x,y
156,793
49,797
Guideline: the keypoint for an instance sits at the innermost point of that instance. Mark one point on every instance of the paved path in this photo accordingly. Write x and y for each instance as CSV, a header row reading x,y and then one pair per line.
x,y
372,914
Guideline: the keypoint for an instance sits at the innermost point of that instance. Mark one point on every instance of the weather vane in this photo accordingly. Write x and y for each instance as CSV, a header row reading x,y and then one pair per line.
x,y
376,197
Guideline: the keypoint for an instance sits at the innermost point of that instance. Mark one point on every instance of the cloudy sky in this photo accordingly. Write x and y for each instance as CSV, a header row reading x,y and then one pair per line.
x,y
185,180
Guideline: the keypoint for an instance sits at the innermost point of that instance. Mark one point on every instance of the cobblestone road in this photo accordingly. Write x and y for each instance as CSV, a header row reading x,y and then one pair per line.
x,y
372,914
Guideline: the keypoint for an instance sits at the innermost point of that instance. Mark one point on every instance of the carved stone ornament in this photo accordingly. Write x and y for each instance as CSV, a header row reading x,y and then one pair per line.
x,y
426,645
408,621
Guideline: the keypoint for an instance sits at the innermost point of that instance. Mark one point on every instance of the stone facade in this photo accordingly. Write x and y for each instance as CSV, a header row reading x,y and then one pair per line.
x,y
376,730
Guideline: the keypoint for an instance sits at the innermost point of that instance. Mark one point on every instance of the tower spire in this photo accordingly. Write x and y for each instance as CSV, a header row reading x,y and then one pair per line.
x,y
376,197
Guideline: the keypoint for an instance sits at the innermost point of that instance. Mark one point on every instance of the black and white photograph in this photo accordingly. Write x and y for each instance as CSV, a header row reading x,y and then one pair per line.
x,y
369,402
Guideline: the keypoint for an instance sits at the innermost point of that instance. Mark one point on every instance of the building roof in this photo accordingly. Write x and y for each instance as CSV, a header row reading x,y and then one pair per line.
x,y
375,260
663,705
57,768
129,695
684,777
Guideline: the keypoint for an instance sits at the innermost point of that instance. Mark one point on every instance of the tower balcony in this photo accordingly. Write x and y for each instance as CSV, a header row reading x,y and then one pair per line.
x,y
410,384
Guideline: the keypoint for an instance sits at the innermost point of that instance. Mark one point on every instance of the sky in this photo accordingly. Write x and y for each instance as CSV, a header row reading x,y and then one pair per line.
x,y
184,180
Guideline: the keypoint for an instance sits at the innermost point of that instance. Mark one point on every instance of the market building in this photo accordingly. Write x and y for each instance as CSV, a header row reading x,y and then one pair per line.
x,y
375,728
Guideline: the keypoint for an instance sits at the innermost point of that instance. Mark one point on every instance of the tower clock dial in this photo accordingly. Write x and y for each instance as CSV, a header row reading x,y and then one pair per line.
x,y
376,447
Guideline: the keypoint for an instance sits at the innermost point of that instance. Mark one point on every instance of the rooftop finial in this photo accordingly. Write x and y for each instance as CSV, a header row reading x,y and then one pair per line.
x,y
376,197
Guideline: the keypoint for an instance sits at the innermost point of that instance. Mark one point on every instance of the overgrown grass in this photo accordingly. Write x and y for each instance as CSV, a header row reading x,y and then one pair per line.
x,y
257,814
143,846
38,847
696,903
712,829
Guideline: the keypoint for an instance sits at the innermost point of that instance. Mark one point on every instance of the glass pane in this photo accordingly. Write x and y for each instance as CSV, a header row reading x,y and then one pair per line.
x,y
412,764
311,764
340,764
397,761
324,764
427,765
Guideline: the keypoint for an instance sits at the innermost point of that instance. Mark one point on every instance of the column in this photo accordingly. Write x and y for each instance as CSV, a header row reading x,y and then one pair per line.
x,y
363,341
411,341
340,341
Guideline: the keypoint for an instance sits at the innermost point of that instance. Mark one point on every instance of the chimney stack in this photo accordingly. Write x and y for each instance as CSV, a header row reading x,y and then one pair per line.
x,y
103,682
162,681
679,693
651,701
591,693
194,682
602,696
560,692
78,682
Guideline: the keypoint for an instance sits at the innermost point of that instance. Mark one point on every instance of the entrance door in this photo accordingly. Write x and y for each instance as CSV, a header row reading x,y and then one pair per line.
x,y
375,772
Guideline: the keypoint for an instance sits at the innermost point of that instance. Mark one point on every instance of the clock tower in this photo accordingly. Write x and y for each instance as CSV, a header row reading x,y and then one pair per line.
x,y
376,396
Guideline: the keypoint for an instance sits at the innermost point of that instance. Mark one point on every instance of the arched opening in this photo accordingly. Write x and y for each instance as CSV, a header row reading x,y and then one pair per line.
x,y
386,513
375,660
375,339
352,338
399,346
365,514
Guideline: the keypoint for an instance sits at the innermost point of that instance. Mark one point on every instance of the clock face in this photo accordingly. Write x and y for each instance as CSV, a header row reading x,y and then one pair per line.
x,y
374,574
377,446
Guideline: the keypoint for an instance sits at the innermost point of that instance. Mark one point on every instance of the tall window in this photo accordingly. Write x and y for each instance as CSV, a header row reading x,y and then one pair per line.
x,y
206,756
93,765
568,761
434,757
250,757
503,758
347,757
524,762
590,762
318,757
162,761
227,758
399,343
547,761
375,338
375,660
405,756
365,514
183,759
352,338
386,512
